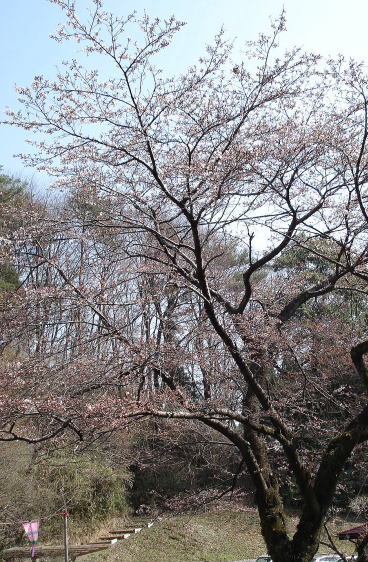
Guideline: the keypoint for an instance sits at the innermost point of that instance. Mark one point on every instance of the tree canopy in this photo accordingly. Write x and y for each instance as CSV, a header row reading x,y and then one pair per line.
x,y
202,265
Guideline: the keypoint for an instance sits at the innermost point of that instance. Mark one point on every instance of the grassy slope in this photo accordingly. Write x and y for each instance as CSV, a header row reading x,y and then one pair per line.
x,y
211,537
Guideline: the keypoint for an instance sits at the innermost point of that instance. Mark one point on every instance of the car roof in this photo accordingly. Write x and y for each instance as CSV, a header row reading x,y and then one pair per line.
x,y
316,558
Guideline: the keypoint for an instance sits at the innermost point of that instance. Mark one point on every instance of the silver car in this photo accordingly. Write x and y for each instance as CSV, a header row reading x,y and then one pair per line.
x,y
316,558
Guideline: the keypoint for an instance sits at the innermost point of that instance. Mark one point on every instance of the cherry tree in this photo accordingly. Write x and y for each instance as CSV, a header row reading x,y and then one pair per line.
x,y
169,278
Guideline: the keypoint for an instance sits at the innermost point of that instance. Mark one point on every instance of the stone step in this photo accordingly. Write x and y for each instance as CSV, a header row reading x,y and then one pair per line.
x,y
122,531
118,537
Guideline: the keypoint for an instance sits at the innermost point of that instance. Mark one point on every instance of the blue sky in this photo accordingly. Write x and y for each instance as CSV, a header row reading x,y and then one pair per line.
x,y
325,26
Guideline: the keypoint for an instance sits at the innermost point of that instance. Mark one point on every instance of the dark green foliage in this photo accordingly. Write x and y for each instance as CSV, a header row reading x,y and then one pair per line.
x,y
308,257
88,485
9,279
12,199
36,485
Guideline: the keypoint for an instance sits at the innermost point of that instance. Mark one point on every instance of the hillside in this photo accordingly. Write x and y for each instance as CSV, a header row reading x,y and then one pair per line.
x,y
210,537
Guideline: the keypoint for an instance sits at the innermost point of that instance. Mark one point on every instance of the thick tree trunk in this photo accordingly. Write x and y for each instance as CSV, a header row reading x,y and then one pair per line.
x,y
268,498
306,539
273,524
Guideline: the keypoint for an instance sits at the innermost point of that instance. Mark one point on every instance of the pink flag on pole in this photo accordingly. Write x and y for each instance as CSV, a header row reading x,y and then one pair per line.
x,y
31,530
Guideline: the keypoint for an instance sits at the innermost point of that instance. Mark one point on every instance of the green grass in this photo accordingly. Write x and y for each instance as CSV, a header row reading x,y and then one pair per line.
x,y
209,537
